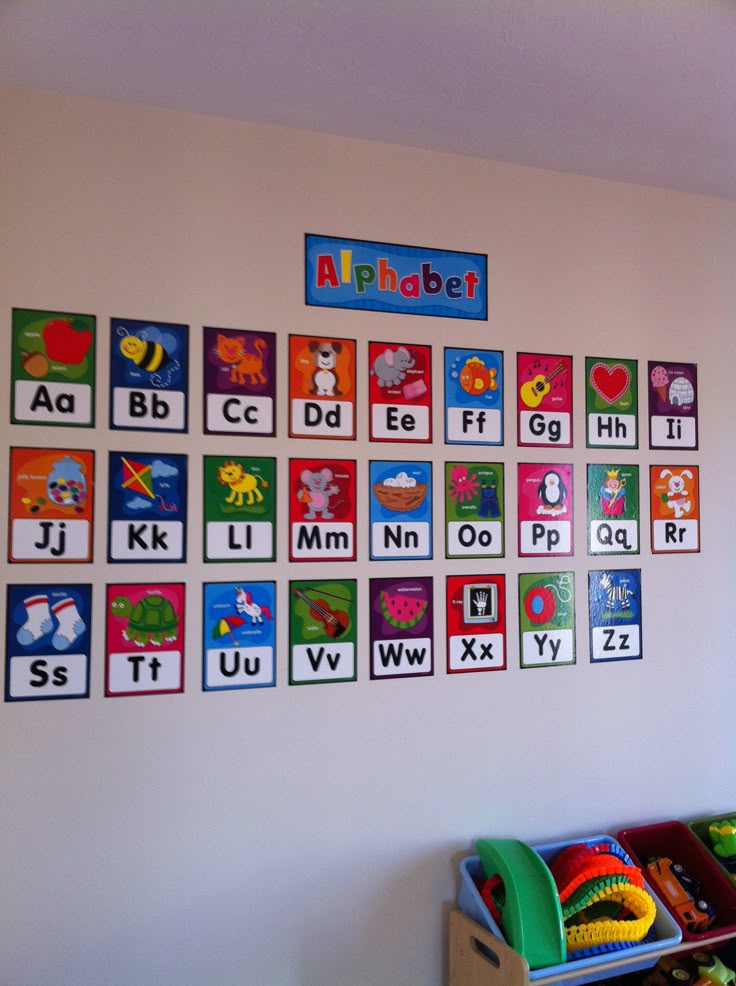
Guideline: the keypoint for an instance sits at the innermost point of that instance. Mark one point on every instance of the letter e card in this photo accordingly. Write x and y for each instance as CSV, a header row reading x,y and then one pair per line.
x,y
400,392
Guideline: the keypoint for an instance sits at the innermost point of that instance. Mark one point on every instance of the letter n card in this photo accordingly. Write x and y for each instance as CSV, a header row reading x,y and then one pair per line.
x,y
322,632
48,642
239,382
611,402
545,509
474,505
673,405
615,615
322,510
675,508
51,505
473,397
544,400
401,628
401,510
145,639
239,624
476,623
547,619
239,508
613,510
400,392
147,507
321,387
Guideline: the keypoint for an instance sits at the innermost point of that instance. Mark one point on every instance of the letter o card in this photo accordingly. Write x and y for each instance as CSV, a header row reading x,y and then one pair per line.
x,y
321,387
473,397
48,642
544,400
400,392
675,509
673,405
545,509
613,510
52,367
149,373
321,510
239,508
51,505
547,619
611,403
239,382
322,632
476,623
239,624
145,639
474,505
401,628
401,510
147,507
615,615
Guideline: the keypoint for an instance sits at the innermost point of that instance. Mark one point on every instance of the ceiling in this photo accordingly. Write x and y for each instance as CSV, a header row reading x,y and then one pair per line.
x,y
634,90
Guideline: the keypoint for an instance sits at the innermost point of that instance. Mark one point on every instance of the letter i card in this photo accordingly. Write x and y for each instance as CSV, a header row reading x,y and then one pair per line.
x,y
321,510
144,639
239,382
239,626
322,632
476,623
400,392
547,619
673,405
675,509
239,508
147,507
48,642
614,598
474,506
401,510
149,375
321,387
52,366
473,397
401,628
611,403
544,400
545,509
613,509
51,505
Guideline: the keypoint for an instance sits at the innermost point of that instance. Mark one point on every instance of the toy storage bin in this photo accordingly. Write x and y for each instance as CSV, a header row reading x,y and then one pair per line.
x,y
675,841
699,827
665,933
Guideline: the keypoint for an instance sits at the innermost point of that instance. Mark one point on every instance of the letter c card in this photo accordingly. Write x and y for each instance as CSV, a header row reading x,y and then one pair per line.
x,y
239,382
321,387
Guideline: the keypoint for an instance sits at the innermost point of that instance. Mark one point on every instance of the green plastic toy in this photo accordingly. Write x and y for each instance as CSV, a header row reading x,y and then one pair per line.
x,y
723,836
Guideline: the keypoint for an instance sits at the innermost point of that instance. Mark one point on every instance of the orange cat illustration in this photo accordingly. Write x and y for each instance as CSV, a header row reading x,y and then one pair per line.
x,y
231,350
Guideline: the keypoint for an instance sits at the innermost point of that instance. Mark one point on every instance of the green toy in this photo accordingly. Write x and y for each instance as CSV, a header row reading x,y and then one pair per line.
x,y
151,621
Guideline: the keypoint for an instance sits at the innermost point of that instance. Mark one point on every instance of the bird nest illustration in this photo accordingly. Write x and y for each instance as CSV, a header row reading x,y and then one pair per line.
x,y
400,499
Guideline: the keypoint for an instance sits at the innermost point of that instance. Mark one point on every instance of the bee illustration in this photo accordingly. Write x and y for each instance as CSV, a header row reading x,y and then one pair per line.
x,y
151,351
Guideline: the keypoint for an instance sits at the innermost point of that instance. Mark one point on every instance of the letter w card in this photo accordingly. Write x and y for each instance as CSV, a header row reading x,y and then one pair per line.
x,y
473,397
401,510
322,632
239,623
400,392
545,509
401,628
147,507
675,509
321,510
476,623
547,619
321,387
613,510
544,400
615,615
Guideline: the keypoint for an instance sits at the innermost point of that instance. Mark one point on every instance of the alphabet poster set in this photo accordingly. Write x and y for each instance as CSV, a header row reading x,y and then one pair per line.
x,y
54,502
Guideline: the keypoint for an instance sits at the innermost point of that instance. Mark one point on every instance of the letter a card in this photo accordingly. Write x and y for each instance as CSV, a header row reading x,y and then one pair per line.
x,y
52,367
147,507
144,639
321,510
401,628
321,387
48,642
673,405
545,509
675,509
239,625
473,397
544,400
401,510
400,392
239,508
51,505
615,615
239,382
149,375
547,619
474,505
613,510
322,632
611,402
476,623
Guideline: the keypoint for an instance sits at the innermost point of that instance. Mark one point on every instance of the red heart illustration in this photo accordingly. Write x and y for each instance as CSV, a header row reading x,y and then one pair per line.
x,y
610,382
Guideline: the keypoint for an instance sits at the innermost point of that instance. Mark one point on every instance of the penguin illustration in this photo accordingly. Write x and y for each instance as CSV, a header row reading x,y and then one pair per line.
x,y
552,493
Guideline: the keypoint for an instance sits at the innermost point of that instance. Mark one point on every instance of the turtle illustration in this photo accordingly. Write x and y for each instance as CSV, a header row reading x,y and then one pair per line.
x,y
151,621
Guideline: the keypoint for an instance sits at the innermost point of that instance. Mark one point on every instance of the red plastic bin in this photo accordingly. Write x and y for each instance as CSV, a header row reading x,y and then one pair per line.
x,y
678,843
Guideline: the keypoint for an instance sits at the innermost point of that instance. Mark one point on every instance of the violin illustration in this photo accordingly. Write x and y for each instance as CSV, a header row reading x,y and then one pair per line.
x,y
534,391
335,621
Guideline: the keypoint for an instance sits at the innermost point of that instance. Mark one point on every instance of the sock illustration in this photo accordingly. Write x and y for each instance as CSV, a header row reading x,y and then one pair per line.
x,y
71,625
38,620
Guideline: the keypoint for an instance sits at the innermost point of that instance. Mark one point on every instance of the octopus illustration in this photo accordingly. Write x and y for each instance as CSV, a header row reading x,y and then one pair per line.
x,y
463,487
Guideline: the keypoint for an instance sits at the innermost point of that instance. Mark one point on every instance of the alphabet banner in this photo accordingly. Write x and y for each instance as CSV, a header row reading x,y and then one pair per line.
x,y
544,400
545,509
147,507
474,509
476,623
321,510
321,387
473,397
611,403
52,368
322,632
400,393
401,628
239,382
674,509
547,619
400,510
673,405
615,615
239,508
613,510
239,626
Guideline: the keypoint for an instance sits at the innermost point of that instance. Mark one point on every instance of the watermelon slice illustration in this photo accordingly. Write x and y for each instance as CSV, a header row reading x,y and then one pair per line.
x,y
401,612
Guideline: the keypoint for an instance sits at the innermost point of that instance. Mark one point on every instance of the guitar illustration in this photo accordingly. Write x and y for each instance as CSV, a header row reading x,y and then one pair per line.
x,y
335,621
534,391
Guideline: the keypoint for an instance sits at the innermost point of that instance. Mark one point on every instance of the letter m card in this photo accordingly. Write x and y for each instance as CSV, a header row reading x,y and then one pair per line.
x,y
322,510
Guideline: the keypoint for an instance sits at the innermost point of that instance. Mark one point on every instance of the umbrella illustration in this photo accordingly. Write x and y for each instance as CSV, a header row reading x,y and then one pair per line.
x,y
225,625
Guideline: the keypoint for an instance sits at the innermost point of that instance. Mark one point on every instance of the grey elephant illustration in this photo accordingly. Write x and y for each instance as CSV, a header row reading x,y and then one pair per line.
x,y
316,492
391,366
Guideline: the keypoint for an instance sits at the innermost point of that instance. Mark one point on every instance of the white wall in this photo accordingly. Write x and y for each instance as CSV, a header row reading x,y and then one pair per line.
x,y
311,835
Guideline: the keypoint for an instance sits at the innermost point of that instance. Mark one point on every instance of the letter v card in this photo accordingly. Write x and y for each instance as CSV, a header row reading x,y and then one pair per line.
x,y
147,507
401,628
321,387
544,400
400,392
322,632
476,623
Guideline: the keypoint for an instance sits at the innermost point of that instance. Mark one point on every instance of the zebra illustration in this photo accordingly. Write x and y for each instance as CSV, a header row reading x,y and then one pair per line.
x,y
616,594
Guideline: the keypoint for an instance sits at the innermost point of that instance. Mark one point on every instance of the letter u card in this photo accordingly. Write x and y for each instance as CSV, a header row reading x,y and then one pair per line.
x,y
145,639
239,624
147,507
613,510
615,615
400,392
321,387
322,632
401,628
401,510
474,506
239,508
321,510
476,623
473,397
673,405
547,619
53,368
239,382
51,505
545,509
611,402
48,642
675,508
544,399
149,372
